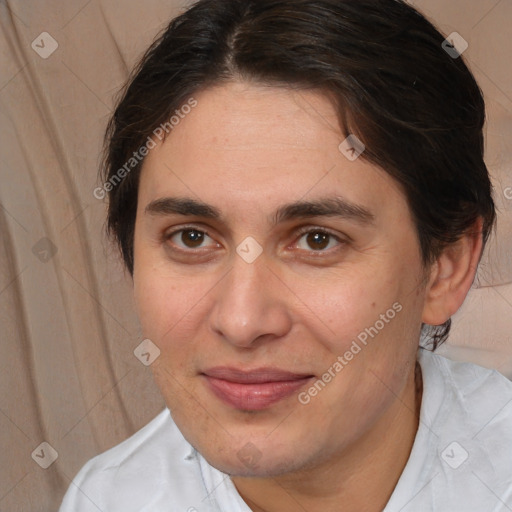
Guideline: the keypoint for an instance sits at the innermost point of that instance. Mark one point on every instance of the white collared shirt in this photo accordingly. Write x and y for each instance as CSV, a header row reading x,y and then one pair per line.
x,y
461,459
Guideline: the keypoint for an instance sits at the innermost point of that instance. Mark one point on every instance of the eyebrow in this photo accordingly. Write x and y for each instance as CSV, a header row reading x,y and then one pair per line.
x,y
324,207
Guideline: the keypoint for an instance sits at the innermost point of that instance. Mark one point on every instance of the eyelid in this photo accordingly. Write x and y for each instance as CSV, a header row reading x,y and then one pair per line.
x,y
307,229
175,230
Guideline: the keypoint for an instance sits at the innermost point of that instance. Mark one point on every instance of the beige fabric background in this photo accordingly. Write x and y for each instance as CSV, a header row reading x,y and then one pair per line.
x,y
67,371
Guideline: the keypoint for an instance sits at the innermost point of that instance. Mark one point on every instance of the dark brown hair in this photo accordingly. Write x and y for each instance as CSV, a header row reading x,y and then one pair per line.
x,y
417,109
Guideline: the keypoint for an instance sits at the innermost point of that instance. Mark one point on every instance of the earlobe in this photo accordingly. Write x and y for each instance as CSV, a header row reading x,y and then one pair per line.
x,y
451,276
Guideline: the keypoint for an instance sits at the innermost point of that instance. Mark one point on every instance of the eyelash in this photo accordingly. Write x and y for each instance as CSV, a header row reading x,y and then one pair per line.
x,y
300,233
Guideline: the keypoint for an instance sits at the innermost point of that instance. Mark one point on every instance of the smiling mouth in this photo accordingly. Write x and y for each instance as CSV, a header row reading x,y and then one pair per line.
x,y
253,390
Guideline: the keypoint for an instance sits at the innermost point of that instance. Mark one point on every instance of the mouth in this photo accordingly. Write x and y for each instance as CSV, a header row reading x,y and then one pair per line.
x,y
253,390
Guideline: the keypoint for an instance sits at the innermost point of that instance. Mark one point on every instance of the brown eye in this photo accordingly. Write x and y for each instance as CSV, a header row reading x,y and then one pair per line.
x,y
188,238
317,240
192,238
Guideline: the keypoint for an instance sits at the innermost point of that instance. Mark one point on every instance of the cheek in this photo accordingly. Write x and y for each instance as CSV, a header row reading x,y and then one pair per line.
x,y
171,309
371,320
350,301
168,318
159,303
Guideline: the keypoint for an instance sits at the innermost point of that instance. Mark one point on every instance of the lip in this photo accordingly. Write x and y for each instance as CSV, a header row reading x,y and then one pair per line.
x,y
255,389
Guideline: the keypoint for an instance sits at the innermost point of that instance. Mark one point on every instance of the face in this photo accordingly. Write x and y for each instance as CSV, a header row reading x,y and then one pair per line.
x,y
280,280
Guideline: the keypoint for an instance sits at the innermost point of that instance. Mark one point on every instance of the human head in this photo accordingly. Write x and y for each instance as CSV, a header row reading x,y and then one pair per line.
x,y
418,111
226,70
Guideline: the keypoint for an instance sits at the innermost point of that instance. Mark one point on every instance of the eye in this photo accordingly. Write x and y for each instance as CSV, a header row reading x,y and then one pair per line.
x,y
318,239
312,240
188,238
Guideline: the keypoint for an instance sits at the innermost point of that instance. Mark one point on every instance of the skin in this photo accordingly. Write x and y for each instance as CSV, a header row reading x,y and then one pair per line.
x,y
248,149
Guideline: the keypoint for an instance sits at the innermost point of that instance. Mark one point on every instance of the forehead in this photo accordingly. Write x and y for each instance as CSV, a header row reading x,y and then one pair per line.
x,y
260,146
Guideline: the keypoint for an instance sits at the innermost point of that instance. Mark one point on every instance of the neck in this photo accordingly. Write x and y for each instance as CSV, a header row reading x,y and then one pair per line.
x,y
363,477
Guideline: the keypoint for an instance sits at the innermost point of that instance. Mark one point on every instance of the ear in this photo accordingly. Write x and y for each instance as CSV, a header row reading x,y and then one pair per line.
x,y
451,276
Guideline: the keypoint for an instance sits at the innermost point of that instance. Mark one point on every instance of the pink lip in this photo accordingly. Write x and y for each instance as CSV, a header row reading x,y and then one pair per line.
x,y
253,390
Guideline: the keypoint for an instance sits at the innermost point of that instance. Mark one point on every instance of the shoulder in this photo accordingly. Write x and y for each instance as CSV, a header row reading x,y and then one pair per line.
x,y
467,383
153,466
461,458
457,392
159,433
463,449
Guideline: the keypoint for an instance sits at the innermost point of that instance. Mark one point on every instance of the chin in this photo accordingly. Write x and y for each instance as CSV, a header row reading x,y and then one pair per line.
x,y
257,468
256,456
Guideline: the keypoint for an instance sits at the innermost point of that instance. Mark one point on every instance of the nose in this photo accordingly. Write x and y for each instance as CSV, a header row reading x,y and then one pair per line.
x,y
250,305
